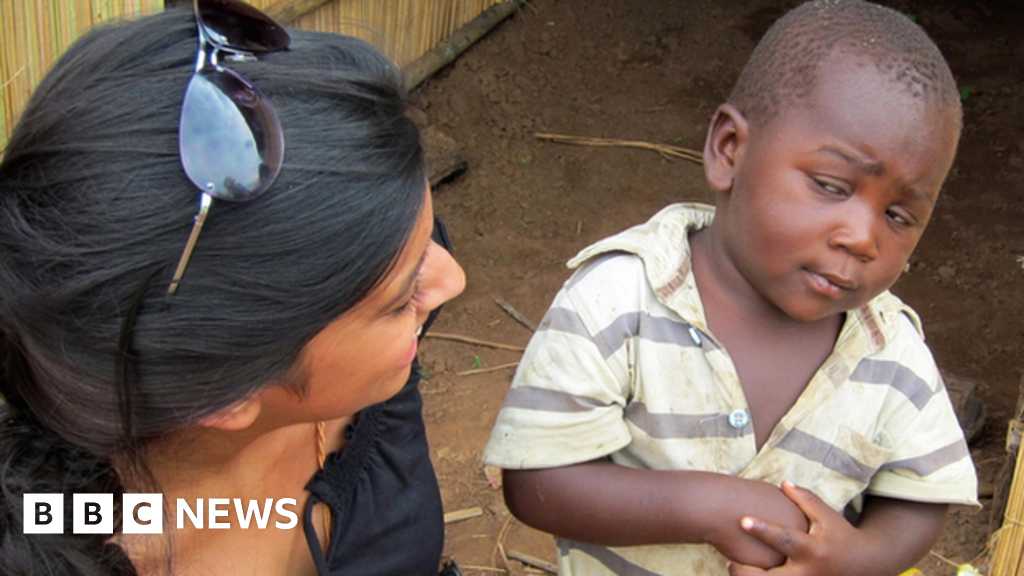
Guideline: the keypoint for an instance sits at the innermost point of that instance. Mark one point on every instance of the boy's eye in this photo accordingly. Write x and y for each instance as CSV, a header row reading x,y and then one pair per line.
x,y
830,187
897,217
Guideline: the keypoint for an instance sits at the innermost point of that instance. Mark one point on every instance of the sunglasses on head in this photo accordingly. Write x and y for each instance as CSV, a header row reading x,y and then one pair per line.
x,y
229,137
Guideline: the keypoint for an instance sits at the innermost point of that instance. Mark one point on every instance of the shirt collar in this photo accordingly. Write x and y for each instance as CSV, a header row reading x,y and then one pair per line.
x,y
663,244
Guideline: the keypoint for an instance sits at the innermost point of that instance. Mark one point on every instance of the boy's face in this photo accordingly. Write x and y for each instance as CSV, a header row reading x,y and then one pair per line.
x,y
829,198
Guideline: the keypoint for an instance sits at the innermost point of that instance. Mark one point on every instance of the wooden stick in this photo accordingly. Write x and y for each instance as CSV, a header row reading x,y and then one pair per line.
x,y
501,538
17,73
504,558
464,514
446,52
522,319
943,559
664,150
468,340
491,369
533,561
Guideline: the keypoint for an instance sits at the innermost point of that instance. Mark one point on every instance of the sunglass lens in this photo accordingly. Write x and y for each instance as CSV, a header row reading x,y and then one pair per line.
x,y
230,138
231,24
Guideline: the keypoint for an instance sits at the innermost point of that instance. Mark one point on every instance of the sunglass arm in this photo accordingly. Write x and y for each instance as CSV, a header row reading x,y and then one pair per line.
x,y
205,201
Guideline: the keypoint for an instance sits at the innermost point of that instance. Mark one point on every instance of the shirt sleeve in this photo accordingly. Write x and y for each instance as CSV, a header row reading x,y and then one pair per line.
x,y
568,396
930,461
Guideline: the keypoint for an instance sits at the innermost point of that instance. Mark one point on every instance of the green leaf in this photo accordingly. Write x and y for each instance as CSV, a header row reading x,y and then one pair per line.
x,y
913,17
477,362
966,92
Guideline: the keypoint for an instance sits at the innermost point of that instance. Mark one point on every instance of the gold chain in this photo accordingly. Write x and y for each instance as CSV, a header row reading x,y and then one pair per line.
x,y
321,457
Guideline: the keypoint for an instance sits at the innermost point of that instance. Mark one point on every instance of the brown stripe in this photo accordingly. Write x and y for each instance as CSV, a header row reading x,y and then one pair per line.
x,y
533,398
675,426
629,325
894,374
928,463
829,455
870,324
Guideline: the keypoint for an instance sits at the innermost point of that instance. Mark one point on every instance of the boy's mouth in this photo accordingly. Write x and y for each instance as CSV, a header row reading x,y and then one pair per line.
x,y
831,284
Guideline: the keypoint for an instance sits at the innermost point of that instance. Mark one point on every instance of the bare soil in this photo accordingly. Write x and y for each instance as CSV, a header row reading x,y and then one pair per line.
x,y
655,71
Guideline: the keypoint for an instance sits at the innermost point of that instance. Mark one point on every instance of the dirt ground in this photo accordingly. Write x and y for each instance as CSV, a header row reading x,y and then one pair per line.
x,y
655,71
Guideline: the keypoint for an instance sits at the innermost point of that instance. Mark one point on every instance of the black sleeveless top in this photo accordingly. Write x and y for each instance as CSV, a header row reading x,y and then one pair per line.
x,y
386,513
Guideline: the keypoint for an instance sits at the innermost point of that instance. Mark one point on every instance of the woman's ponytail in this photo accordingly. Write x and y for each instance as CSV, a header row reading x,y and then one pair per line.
x,y
35,461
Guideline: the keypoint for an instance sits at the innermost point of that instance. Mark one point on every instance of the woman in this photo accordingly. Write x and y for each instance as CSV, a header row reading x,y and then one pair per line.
x,y
284,332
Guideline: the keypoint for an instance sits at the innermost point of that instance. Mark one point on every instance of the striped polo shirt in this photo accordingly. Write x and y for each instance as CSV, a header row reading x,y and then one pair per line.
x,y
623,365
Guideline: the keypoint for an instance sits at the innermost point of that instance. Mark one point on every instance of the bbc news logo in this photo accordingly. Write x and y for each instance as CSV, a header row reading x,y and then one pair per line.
x,y
144,513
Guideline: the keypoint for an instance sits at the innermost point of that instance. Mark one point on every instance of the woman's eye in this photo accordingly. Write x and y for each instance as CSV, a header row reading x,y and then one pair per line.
x,y
412,302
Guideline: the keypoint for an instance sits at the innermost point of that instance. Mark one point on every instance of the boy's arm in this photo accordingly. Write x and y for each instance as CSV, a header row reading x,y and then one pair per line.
x,y
603,503
891,537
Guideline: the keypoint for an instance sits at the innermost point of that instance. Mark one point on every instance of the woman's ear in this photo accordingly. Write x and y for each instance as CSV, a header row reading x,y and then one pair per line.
x,y
727,137
237,416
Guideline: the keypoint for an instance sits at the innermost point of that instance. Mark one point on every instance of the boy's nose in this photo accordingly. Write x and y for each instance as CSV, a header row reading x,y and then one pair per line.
x,y
856,233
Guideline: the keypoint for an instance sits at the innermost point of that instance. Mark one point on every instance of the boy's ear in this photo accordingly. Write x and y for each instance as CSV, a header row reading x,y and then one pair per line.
x,y
237,416
727,136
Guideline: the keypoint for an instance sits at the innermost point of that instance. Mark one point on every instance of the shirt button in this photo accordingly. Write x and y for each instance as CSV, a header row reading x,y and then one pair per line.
x,y
738,418
695,336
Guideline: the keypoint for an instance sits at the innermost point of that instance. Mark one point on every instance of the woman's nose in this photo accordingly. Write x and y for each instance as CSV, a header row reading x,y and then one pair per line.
x,y
442,278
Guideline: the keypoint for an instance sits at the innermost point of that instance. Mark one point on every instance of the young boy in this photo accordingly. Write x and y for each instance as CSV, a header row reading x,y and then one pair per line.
x,y
695,364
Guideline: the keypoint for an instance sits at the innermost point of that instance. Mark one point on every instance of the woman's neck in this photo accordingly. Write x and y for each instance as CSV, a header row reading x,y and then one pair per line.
x,y
250,465
243,461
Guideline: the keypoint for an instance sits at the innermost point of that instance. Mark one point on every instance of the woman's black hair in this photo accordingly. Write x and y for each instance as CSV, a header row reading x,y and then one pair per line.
x,y
95,210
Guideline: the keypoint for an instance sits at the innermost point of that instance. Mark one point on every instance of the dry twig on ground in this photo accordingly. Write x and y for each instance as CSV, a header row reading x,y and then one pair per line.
x,y
519,316
533,561
468,340
491,369
464,514
667,152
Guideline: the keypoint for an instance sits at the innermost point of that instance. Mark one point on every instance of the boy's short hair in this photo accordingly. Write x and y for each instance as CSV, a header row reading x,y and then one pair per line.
x,y
783,69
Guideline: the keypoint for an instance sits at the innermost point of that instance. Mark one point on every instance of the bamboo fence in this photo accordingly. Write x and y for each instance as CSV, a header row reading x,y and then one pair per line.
x,y
36,32
1008,504
1008,559
403,29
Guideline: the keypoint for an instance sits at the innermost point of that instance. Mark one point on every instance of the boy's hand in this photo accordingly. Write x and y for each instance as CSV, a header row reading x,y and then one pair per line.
x,y
746,498
891,536
831,546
